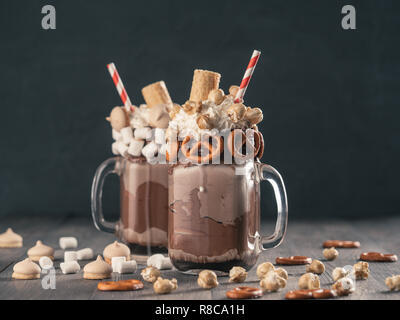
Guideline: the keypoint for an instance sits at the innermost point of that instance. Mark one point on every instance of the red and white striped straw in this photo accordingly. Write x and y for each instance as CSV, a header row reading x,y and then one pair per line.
x,y
120,87
247,76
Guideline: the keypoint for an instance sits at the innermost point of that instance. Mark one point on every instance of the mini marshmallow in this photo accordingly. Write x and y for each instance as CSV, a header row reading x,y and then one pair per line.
x,y
45,262
68,243
70,256
163,149
143,133
70,267
116,263
127,134
127,267
116,135
85,254
135,147
114,148
159,136
121,147
150,150
159,261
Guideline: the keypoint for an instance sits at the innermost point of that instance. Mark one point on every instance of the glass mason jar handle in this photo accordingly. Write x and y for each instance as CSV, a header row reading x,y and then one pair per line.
x,y
107,167
271,175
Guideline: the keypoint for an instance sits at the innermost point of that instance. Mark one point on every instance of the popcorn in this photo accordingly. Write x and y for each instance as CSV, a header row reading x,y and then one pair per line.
x,y
70,256
70,267
135,147
159,136
85,254
68,242
126,134
143,133
150,150
116,263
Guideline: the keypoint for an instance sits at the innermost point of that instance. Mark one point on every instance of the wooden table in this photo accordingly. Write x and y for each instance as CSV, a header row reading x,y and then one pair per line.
x,y
303,238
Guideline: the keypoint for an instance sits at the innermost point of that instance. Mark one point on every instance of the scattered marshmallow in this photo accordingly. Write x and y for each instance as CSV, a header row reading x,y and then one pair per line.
x,y
68,243
116,135
150,150
70,256
45,262
116,263
163,149
159,261
143,133
126,134
114,148
135,147
70,267
159,136
127,267
85,254
122,148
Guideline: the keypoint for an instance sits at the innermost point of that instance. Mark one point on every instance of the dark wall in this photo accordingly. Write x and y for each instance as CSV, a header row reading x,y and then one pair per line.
x,y
330,97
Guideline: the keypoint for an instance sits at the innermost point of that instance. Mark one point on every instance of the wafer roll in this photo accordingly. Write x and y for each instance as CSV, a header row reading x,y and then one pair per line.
x,y
157,93
203,82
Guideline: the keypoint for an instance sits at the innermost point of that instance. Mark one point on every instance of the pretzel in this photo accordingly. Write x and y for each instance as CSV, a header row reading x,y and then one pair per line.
x,y
244,293
122,285
378,257
173,147
236,150
293,260
259,142
194,152
310,294
341,244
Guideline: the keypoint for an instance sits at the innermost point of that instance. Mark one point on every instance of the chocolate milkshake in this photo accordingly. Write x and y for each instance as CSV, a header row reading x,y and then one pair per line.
x,y
144,205
214,215
214,192
139,146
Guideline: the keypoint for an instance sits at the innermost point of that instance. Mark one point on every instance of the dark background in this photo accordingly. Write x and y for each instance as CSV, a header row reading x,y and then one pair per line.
x,y
330,97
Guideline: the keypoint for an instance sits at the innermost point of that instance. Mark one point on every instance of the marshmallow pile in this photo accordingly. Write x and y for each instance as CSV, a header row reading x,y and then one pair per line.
x,y
139,137
70,264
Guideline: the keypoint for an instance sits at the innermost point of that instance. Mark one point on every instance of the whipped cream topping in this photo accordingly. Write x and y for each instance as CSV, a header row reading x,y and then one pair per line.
x,y
139,118
185,124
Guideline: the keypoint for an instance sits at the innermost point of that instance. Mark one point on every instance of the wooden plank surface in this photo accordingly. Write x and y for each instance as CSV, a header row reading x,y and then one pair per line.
x,y
303,238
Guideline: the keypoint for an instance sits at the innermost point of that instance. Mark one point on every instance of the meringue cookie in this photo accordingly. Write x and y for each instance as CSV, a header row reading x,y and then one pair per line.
x,y
10,239
26,270
97,270
116,249
40,250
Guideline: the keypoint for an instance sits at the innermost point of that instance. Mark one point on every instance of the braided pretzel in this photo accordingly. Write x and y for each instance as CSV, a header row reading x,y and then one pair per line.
x,y
172,150
310,294
244,293
378,257
236,150
293,260
122,285
194,152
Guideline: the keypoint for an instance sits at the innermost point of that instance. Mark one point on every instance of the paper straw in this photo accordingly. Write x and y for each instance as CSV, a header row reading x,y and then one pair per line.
x,y
120,87
247,76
